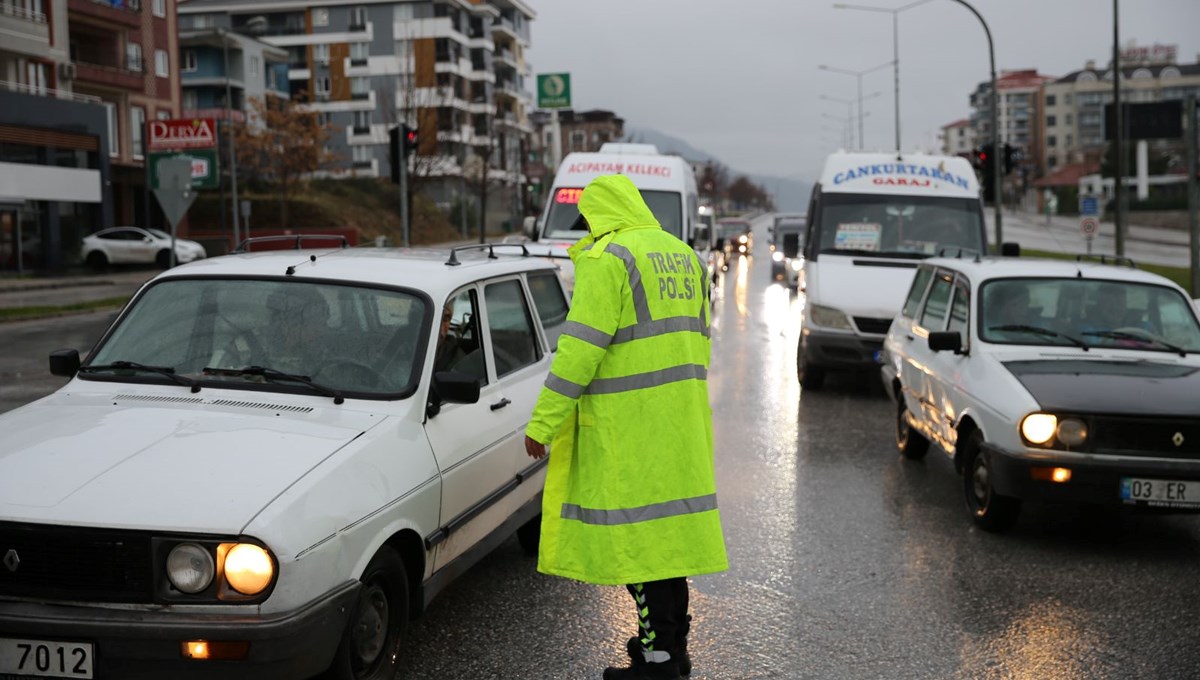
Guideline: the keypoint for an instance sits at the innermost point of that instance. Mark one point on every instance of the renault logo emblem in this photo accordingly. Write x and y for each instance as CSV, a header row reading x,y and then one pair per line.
x,y
11,560
1177,439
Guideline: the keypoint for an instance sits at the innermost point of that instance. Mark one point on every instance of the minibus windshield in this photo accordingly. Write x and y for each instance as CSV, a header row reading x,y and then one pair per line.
x,y
889,225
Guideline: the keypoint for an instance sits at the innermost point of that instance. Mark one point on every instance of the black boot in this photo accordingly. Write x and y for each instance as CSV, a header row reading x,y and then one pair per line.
x,y
666,670
633,647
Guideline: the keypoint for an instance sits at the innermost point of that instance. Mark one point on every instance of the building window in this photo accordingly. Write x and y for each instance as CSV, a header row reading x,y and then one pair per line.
x,y
322,83
189,61
272,80
162,68
1070,140
1068,119
1051,162
114,140
360,88
189,100
578,140
320,17
361,154
362,122
359,53
35,77
133,57
321,54
1050,100
1051,141
135,5
254,66
358,17
137,130
1067,99
160,8
1051,121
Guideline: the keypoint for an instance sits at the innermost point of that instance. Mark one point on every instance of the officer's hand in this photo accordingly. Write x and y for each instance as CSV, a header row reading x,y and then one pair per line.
x,y
535,449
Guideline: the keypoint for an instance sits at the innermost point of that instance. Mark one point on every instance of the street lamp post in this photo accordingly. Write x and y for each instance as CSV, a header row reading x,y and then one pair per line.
x,y
858,75
849,132
895,12
997,151
847,128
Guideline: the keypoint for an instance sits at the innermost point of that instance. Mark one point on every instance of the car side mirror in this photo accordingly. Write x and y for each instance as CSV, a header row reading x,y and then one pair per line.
x,y
1010,249
64,362
452,387
946,341
529,226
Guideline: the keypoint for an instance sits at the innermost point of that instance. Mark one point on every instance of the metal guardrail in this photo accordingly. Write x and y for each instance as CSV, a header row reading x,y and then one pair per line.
x,y
244,246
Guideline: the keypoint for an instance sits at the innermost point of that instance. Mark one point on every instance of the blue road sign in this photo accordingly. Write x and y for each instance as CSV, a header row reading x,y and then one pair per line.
x,y
1089,206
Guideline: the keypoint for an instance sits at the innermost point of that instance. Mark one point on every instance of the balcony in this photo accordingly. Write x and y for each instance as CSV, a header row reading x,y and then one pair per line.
x,y
125,13
46,92
110,76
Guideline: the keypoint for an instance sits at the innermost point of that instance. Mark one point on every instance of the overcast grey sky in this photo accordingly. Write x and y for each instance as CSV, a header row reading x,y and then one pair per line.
x,y
740,78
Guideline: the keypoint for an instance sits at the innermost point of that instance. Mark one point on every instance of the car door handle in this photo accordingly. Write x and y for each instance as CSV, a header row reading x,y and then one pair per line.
x,y
500,404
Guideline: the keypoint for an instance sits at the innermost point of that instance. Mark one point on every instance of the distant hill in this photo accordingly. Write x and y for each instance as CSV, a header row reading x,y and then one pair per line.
x,y
791,195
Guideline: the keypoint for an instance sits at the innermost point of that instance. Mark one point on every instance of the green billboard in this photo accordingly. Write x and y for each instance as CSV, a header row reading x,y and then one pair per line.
x,y
554,91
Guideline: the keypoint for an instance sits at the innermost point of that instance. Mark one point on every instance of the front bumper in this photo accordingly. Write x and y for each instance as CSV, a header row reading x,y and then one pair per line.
x,y
147,644
1094,478
841,351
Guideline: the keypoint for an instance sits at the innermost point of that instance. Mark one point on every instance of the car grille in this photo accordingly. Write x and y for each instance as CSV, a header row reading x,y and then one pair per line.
x,y
868,324
1146,437
68,563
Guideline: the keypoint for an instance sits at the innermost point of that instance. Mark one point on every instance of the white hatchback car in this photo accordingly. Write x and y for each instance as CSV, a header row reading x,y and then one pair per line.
x,y
135,245
270,461
1050,381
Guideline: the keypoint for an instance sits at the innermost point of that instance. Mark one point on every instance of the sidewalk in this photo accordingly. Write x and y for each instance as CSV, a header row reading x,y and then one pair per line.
x,y
45,297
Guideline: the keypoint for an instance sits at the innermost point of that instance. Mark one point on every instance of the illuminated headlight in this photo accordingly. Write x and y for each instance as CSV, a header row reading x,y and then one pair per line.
x,y
777,256
248,568
828,317
1072,432
1039,428
796,265
743,238
190,568
741,249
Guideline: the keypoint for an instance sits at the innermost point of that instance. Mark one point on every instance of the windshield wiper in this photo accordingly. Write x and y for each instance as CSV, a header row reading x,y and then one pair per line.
x,y
1038,330
279,376
165,371
1122,335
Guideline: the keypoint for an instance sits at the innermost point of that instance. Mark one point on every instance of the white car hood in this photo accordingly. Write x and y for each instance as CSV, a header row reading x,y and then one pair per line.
x,y
867,290
109,461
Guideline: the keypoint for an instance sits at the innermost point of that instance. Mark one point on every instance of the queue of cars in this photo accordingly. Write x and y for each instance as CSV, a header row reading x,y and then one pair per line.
x,y
270,461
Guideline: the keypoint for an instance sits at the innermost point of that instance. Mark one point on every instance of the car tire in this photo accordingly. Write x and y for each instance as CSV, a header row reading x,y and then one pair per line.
x,y
912,444
530,536
163,259
810,377
990,511
370,645
97,260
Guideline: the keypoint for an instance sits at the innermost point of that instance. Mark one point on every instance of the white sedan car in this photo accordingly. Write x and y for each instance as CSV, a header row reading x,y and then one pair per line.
x,y
135,245
1050,381
270,461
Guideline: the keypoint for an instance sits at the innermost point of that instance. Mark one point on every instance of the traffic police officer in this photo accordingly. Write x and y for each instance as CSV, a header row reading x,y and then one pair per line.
x,y
630,497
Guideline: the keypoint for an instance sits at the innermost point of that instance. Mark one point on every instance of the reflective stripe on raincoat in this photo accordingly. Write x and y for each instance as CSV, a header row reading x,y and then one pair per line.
x,y
630,494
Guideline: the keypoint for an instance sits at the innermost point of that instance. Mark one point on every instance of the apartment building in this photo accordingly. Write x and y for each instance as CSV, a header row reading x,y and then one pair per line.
x,y
1074,104
125,54
214,63
958,138
54,143
1018,119
454,69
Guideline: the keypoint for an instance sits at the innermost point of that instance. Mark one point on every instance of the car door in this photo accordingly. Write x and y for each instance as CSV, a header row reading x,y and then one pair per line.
x,y
946,368
471,442
922,380
904,340
114,245
550,303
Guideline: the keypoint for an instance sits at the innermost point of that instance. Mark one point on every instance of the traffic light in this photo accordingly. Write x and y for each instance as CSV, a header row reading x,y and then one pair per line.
x,y
402,141
1011,156
984,160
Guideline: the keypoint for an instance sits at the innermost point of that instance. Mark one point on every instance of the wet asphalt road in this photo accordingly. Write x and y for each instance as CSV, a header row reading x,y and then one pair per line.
x,y
846,561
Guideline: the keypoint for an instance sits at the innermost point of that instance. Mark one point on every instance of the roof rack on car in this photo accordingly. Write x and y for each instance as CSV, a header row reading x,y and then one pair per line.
x,y
959,252
453,260
244,246
1108,259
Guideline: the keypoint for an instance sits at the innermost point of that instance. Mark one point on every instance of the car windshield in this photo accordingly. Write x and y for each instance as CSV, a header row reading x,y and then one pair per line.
x,y
359,340
1100,313
564,221
888,225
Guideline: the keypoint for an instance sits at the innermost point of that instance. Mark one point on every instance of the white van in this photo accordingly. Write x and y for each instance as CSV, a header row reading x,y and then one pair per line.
x,y
871,220
667,183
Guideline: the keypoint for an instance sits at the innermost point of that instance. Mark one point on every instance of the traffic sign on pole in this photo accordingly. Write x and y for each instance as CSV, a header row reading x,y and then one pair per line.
x,y
174,192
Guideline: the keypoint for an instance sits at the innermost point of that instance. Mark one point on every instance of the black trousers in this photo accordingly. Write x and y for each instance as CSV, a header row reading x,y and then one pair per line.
x,y
662,612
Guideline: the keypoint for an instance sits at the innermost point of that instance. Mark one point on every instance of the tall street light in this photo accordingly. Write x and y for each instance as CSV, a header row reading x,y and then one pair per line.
x,y
895,12
849,103
846,125
862,141
997,150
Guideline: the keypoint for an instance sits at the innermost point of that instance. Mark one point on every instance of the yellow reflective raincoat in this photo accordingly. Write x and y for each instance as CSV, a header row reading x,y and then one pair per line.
x,y
630,495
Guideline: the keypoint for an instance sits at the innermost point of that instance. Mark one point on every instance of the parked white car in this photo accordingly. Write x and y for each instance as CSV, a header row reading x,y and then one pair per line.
x,y
1050,381
271,460
135,245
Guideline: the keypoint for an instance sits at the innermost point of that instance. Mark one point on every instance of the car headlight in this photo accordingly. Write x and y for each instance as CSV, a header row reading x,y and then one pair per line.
x,y
828,317
248,568
777,256
1039,428
190,568
1072,432
796,265
743,238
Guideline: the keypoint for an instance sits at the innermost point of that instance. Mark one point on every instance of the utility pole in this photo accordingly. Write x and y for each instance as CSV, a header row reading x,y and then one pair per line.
x,y
1193,138
237,236
1118,137
997,150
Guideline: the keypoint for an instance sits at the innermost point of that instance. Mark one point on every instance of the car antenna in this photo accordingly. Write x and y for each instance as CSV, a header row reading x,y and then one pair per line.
x,y
291,270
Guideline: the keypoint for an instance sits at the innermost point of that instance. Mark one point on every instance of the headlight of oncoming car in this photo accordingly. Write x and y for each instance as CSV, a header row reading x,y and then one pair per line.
x,y
777,256
828,317
797,264
1048,430
743,238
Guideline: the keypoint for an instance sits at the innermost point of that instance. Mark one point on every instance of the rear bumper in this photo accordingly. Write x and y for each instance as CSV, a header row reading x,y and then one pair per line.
x,y
1094,479
841,351
148,644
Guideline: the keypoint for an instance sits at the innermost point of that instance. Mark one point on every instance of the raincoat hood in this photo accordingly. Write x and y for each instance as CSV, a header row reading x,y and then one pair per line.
x,y
610,203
